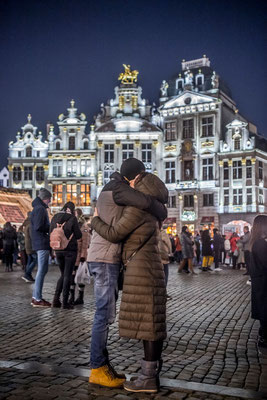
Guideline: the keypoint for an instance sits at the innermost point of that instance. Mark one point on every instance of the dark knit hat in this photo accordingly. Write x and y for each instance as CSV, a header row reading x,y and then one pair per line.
x,y
44,194
132,167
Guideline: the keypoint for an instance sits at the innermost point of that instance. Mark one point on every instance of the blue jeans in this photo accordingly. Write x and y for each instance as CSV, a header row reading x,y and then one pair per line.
x,y
32,261
43,256
106,293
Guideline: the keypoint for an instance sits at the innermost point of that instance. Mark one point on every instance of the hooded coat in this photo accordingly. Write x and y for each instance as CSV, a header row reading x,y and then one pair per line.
x,y
143,304
40,225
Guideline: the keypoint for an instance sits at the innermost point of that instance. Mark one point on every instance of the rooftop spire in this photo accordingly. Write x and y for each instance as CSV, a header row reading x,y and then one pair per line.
x,y
29,118
72,103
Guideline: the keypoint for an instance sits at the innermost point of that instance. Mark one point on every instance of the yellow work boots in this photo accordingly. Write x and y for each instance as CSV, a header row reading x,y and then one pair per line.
x,y
105,377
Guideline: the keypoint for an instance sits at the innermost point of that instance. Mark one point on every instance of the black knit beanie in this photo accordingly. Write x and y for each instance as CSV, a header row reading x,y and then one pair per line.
x,y
132,167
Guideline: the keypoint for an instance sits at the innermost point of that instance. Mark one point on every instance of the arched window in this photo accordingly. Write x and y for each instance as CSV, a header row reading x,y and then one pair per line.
x,y
237,143
199,80
28,151
57,145
179,84
85,145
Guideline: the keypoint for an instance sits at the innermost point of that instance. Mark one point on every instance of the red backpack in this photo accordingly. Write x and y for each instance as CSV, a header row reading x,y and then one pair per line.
x,y
58,239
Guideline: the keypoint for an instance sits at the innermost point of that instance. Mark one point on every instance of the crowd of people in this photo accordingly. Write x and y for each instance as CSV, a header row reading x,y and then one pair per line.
x,y
126,240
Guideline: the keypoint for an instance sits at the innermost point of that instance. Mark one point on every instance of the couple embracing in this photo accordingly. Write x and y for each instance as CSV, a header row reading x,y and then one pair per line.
x,y
126,224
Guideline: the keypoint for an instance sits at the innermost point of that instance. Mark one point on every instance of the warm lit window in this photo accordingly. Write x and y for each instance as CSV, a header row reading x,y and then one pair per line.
x,y
109,153
170,172
72,143
146,152
85,167
188,128
188,200
16,174
237,197
39,174
85,195
71,193
237,170
207,126
127,151
28,173
170,131
207,169
28,151
208,200
57,195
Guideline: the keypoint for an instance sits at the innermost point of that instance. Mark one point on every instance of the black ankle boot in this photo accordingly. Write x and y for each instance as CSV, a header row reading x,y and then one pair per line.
x,y
79,300
71,299
56,302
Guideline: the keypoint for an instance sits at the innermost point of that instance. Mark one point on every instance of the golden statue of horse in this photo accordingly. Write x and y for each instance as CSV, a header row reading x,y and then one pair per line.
x,y
128,77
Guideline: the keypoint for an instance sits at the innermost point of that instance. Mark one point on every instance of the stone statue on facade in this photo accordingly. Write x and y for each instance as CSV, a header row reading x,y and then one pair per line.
x,y
164,88
214,80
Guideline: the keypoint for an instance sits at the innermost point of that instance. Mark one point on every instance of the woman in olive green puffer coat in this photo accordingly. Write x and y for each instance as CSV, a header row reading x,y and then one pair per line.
x,y
143,304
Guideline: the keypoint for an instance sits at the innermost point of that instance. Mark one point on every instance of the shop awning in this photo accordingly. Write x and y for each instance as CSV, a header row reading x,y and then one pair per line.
x,y
207,220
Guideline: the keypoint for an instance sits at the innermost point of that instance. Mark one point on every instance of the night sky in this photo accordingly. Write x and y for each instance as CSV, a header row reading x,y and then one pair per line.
x,y
52,51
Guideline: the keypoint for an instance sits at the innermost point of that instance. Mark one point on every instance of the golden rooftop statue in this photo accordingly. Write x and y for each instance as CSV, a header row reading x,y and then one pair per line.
x,y
128,77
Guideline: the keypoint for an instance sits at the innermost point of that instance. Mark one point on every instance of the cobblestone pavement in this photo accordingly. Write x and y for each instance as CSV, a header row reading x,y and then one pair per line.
x,y
210,353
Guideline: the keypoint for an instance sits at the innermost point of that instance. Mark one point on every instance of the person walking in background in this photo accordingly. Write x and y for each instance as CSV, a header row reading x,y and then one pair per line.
x,y
66,257
258,274
21,247
218,245
31,254
83,245
40,243
245,241
234,248
165,249
207,253
16,247
187,250
197,247
143,304
9,243
178,250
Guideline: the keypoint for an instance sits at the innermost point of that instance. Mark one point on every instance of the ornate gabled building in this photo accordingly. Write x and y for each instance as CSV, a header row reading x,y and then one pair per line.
x,y
71,158
204,140
27,162
126,127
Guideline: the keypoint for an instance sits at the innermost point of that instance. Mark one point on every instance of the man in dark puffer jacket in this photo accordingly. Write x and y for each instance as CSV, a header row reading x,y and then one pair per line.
x,y
105,260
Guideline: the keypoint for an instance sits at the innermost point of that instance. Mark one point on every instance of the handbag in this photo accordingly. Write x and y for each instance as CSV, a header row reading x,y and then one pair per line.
x,y
82,276
123,266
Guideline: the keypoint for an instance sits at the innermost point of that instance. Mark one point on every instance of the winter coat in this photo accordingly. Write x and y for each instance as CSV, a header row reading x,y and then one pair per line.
x,y
28,240
116,194
258,274
227,245
83,243
187,246
143,304
9,240
245,241
165,247
40,225
233,241
178,246
21,241
70,227
241,256
206,247
218,242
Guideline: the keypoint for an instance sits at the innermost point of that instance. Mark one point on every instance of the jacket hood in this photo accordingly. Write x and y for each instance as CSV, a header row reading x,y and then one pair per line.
x,y
151,184
38,202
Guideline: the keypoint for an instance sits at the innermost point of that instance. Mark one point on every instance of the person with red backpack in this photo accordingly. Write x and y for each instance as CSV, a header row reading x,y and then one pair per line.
x,y
64,233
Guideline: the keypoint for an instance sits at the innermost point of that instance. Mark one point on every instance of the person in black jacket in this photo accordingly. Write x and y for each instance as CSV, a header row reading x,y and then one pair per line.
x,y
9,239
258,273
218,245
40,243
207,252
66,258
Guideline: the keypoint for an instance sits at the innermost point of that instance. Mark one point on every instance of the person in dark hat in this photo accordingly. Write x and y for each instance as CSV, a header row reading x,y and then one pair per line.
x,y
40,243
105,260
66,257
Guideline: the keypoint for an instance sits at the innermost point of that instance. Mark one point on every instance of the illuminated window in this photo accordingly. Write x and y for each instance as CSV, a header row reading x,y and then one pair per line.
x,y
188,128
17,174
207,126
170,131
57,195
28,173
71,193
28,151
170,172
85,195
